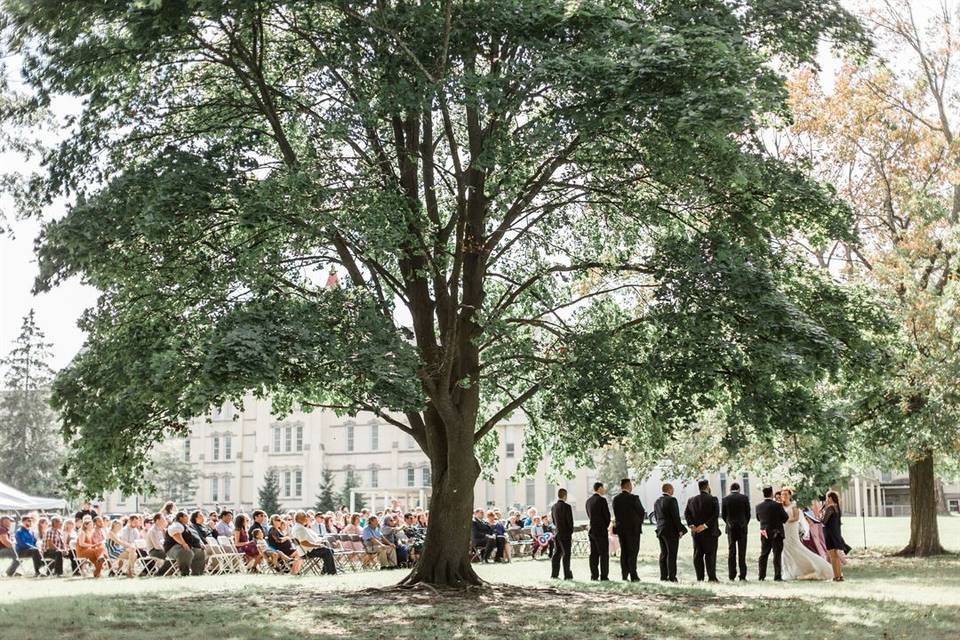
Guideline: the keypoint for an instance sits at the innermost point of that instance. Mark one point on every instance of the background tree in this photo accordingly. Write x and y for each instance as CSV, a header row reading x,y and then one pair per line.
x,y
350,483
553,207
327,498
884,135
269,493
171,478
30,450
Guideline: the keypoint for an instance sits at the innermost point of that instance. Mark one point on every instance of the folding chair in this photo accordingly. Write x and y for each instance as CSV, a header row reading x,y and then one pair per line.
x,y
340,556
233,560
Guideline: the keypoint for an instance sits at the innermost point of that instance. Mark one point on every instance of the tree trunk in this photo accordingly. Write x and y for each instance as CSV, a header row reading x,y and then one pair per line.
x,y
924,531
445,560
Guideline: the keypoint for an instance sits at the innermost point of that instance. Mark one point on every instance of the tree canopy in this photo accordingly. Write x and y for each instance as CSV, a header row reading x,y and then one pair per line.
x,y
562,208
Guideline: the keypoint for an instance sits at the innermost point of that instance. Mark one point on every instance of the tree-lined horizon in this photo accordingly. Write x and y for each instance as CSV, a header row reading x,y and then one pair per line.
x,y
559,208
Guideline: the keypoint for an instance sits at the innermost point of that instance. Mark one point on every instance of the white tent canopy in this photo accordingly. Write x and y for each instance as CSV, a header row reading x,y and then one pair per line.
x,y
15,500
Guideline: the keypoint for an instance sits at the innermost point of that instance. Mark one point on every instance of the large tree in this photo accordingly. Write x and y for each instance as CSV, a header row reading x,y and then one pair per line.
x,y
30,449
884,134
557,207
171,478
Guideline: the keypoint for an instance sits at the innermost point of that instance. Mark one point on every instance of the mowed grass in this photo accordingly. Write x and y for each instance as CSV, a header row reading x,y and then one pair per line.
x,y
883,597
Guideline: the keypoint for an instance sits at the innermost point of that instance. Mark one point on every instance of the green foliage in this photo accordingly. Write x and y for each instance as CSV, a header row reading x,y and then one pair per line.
x,y
30,449
349,483
327,498
269,493
553,207
170,478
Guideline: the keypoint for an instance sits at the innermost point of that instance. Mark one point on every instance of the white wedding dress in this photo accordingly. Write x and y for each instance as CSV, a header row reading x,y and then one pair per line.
x,y
799,563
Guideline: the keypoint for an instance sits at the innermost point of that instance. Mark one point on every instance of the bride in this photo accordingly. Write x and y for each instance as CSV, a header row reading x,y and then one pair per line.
x,y
799,563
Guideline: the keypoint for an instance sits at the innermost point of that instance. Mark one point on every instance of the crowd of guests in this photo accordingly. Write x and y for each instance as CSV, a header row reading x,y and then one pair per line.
x,y
175,540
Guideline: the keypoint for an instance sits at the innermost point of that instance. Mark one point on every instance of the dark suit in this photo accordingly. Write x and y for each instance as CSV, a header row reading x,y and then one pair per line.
x,y
704,509
669,529
562,516
482,537
629,514
772,516
735,512
599,513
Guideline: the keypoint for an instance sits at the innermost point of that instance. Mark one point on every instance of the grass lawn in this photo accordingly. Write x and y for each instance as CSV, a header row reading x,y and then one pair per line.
x,y
883,598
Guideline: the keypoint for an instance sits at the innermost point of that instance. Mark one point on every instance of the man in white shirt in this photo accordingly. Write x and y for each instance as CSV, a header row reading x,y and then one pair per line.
x,y
128,537
155,543
225,526
318,526
312,545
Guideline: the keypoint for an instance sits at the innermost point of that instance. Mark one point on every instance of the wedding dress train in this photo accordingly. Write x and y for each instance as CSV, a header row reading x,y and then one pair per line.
x,y
799,563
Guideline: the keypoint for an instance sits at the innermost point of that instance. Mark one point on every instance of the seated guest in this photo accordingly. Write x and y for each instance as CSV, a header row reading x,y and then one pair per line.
x,y
374,542
55,546
114,546
26,544
155,540
395,536
482,536
246,546
281,543
416,535
353,529
85,511
259,522
311,544
168,512
318,526
90,546
128,537
182,545
225,526
8,546
328,524
500,536
200,529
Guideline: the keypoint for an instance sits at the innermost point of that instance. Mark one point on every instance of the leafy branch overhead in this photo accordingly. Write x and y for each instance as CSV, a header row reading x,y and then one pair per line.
x,y
552,207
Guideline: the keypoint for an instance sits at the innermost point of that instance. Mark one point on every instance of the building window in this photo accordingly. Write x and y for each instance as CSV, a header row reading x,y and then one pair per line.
x,y
276,439
427,477
286,484
214,496
723,484
227,447
216,447
298,482
288,439
530,491
349,437
510,450
299,438
411,476
374,437
374,478
226,489
186,450
411,443
745,484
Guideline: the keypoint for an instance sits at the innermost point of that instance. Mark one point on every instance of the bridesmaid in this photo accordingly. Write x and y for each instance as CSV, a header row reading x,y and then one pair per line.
x,y
815,525
832,535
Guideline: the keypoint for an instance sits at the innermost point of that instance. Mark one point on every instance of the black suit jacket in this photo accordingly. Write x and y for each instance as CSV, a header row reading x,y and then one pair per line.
x,y
703,509
629,514
735,511
667,512
599,513
771,516
479,530
562,516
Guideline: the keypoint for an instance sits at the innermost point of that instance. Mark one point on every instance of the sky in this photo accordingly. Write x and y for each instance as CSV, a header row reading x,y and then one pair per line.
x,y
57,311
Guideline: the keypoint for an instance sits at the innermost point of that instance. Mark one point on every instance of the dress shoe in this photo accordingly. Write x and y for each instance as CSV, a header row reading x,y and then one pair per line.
x,y
604,579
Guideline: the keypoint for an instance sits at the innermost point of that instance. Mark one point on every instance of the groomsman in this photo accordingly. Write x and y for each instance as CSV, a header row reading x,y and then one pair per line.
x,y
669,531
629,513
598,511
735,512
703,516
562,516
772,516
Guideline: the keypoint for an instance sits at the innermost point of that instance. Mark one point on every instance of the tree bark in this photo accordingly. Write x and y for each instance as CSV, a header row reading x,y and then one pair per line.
x,y
924,531
445,560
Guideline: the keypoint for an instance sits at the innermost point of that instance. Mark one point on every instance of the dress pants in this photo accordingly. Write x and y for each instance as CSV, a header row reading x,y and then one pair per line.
x,y
705,555
629,548
561,554
668,557
10,552
771,542
326,555
599,554
737,552
189,561
57,558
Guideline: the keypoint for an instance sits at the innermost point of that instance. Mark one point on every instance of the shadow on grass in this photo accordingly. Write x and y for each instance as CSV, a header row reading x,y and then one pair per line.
x,y
574,611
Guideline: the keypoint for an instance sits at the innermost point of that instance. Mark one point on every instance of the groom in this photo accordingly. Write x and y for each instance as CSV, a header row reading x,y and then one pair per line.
x,y
772,516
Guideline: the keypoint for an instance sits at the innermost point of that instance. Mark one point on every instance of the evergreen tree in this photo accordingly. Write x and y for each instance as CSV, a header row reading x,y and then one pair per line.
x,y
30,451
270,493
351,482
326,499
171,478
